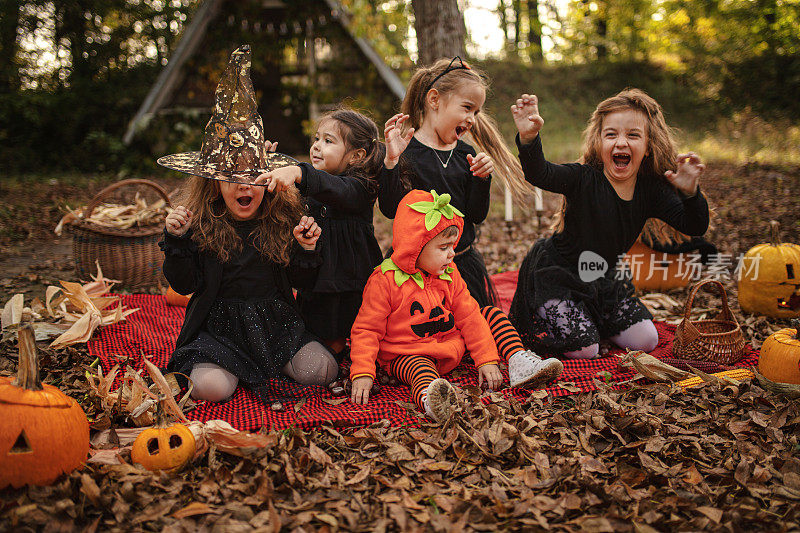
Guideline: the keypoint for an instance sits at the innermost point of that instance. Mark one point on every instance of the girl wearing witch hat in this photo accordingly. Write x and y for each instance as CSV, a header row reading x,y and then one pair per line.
x,y
240,250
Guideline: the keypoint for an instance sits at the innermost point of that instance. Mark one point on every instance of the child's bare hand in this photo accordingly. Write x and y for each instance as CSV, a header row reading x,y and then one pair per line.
x,y
491,375
687,178
270,147
481,165
280,179
361,388
396,141
307,233
178,222
526,117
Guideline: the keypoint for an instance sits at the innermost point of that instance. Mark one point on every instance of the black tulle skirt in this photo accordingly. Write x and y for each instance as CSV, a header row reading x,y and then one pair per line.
x,y
609,303
251,339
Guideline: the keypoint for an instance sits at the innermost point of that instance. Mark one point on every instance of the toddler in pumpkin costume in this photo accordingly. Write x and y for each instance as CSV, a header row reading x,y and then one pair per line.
x,y
418,319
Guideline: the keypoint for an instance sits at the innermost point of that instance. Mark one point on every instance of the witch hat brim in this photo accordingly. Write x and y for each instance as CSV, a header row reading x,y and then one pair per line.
x,y
233,147
189,163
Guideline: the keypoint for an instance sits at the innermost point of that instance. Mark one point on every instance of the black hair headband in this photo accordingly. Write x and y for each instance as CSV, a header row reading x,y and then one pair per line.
x,y
451,67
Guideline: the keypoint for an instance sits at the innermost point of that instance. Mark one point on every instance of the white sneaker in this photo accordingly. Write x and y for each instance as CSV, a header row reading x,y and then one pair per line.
x,y
526,369
440,400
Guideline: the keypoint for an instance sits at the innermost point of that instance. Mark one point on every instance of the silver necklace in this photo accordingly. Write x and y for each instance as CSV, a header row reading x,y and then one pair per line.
x,y
444,163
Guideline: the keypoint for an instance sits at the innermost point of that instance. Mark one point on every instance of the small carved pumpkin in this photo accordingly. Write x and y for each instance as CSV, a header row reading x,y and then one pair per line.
x,y
656,271
173,298
780,355
164,446
43,432
770,280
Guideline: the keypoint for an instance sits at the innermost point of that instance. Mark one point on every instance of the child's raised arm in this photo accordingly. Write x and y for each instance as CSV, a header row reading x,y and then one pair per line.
x,y
178,221
687,177
563,179
396,141
527,118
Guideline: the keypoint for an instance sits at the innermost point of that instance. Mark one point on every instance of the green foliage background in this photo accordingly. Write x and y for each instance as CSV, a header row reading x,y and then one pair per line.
x,y
726,71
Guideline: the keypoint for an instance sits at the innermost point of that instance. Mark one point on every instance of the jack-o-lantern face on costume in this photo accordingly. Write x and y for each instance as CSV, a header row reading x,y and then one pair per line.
x,y
770,278
437,320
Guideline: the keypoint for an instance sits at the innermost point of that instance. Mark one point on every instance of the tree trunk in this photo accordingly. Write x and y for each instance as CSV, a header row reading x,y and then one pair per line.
x,y
440,29
534,31
602,33
9,67
71,25
501,10
517,24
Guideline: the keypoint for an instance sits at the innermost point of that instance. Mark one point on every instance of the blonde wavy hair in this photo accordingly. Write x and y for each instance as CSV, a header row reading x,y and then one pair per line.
x,y
213,229
661,153
485,133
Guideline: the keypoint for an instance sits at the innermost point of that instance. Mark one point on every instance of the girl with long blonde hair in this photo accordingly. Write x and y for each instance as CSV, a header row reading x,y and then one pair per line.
x,y
571,293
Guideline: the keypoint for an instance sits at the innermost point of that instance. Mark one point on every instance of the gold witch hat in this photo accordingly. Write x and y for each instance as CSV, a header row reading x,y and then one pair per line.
x,y
233,141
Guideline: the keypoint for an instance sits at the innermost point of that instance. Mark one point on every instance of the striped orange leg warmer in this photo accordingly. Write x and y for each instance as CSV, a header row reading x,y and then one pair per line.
x,y
417,371
505,335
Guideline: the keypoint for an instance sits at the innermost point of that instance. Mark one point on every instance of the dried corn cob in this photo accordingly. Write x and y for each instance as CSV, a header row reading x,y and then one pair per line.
x,y
735,374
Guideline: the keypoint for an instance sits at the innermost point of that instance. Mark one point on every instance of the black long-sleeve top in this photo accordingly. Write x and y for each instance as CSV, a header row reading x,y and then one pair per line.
x,y
468,193
342,206
189,270
597,219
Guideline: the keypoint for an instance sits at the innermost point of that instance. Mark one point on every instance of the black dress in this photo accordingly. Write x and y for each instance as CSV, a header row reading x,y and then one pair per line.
x,y
423,168
342,206
599,226
242,315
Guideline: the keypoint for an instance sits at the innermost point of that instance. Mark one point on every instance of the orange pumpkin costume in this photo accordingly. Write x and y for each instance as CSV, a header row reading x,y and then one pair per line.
x,y
408,312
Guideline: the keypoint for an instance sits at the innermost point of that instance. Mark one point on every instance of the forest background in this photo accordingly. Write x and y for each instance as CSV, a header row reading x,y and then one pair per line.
x,y
73,73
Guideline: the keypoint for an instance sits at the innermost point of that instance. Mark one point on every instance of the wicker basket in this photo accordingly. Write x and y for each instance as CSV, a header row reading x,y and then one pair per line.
x,y
719,340
130,255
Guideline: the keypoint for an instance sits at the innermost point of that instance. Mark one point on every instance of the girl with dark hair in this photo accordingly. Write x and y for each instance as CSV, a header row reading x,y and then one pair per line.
x,y
629,175
340,189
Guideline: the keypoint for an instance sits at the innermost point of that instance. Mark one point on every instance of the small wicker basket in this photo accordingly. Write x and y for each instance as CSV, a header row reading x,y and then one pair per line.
x,y
719,340
130,255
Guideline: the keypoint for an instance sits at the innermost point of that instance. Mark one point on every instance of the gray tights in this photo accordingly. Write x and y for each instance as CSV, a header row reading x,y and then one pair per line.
x,y
313,364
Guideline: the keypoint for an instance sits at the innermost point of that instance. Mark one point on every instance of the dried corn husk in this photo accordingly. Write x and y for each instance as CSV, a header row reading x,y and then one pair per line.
x,y
663,307
136,397
119,216
77,309
652,368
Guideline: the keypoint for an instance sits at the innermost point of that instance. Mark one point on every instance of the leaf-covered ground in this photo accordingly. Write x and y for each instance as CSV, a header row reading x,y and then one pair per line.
x,y
649,458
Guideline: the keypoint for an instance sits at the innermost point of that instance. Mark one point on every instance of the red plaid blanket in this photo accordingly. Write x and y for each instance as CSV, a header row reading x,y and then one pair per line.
x,y
154,328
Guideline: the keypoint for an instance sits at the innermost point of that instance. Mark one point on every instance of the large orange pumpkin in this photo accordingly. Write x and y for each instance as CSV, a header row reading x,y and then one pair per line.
x,y
656,271
43,432
770,278
164,446
173,298
780,355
